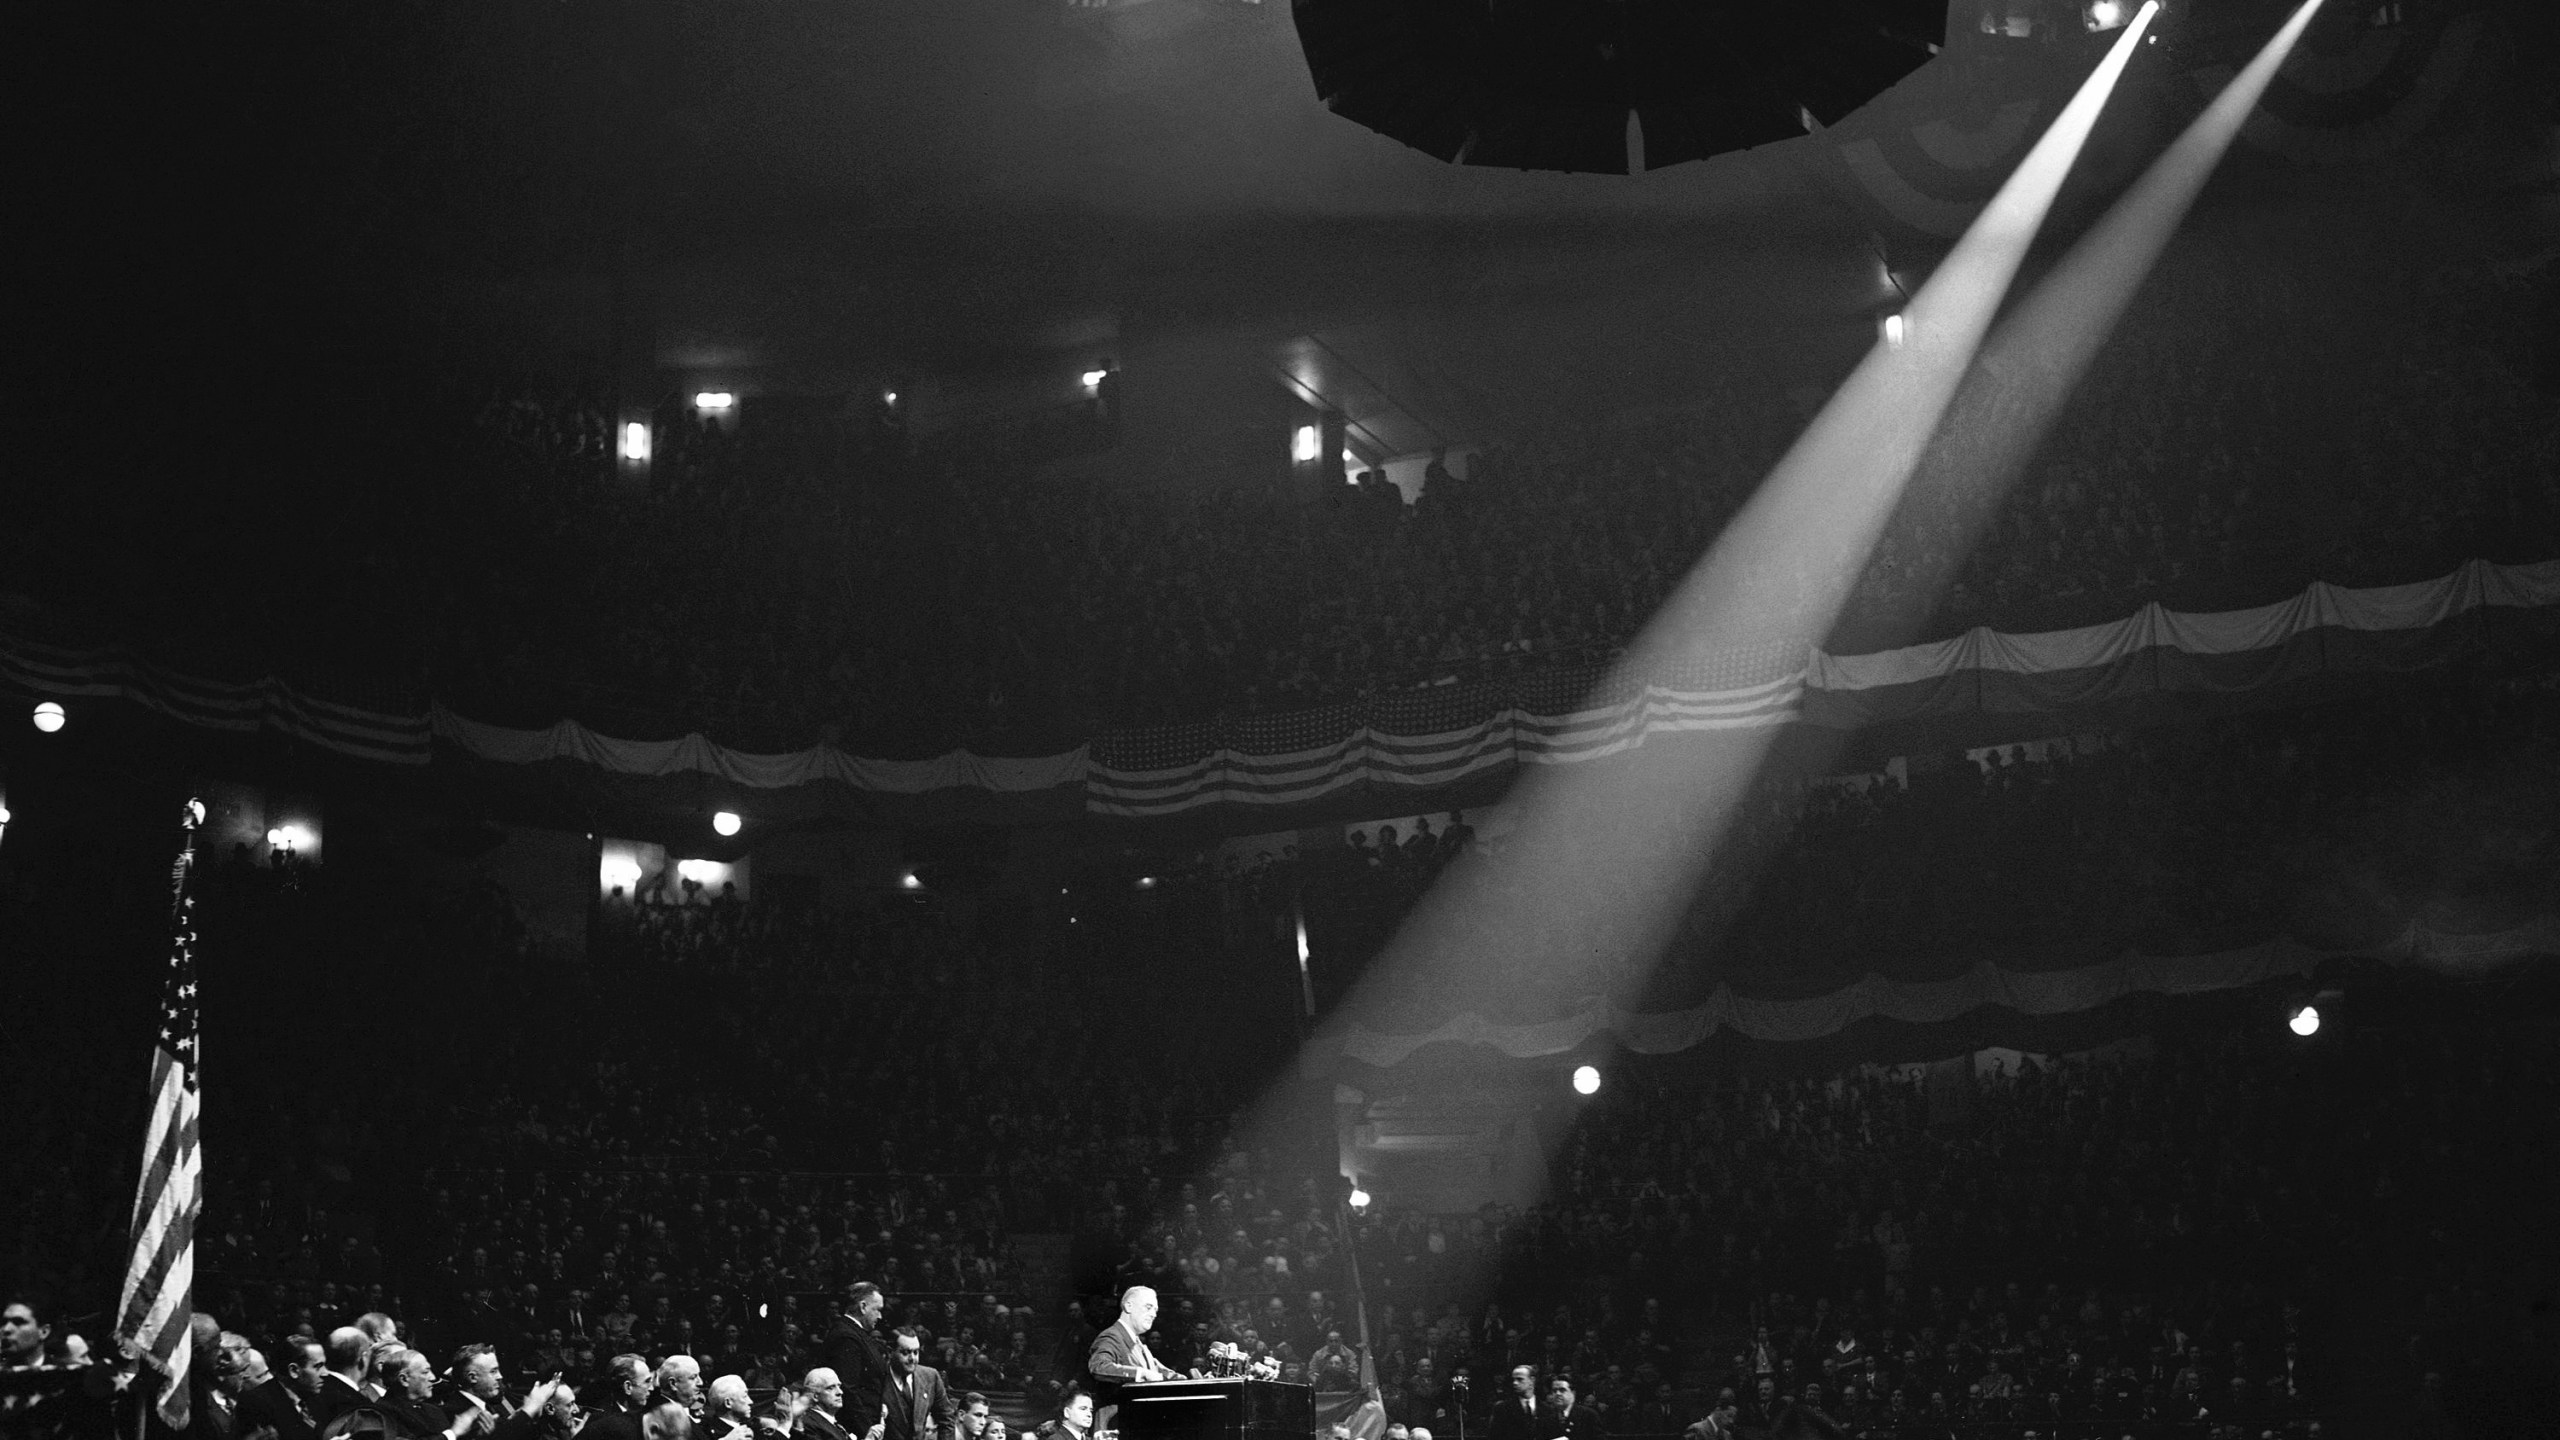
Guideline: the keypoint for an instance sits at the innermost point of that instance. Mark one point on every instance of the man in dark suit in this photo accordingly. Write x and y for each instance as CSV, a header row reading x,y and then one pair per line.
x,y
283,1405
1516,1415
918,1403
859,1360
616,1413
826,1403
408,1399
1568,1418
342,1387
1120,1356
475,1382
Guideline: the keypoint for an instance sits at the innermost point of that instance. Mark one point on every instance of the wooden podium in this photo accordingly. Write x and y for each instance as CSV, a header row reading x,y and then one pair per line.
x,y
1217,1410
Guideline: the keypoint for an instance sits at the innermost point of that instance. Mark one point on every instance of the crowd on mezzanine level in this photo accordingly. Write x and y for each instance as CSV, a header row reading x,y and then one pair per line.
x,y
2336,824
2202,464
777,584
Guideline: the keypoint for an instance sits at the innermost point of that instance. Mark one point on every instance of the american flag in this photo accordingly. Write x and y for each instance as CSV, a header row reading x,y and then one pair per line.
x,y
159,1284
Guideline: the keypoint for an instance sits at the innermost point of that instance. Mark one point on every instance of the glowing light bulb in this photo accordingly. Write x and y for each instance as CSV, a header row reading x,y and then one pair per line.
x,y
1586,1079
725,822
2305,1021
49,716
1359,1198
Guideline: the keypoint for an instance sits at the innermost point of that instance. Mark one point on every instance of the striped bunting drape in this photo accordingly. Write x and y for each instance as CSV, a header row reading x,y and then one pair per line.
x,y
268,704
1415,740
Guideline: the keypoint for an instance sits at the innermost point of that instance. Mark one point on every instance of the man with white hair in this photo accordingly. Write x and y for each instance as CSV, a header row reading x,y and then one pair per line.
x,y
729,1415
408,1398
675,1405
825,1390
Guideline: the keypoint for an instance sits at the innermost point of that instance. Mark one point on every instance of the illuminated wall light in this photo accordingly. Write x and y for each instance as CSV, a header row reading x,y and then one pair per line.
x,y
1304,445
1359,1198
888,397
2104,15
2305,1021
2010,18
1093,378
714,400
1146,882
635,441
1586,1079
1895,327
726,822
909,880
49,716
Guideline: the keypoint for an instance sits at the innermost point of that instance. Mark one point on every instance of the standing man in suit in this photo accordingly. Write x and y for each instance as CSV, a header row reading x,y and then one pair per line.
x,y
859,1360
1516,1416
1567,1419
919,1404
1120,1357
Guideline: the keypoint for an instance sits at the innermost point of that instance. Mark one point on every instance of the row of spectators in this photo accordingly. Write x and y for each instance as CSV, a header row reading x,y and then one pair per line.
x,y
2202,465
2337,826
779,584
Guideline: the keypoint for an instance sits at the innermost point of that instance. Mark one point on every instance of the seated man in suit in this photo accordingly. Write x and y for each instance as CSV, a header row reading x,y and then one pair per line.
x,y
282,1406
918,1404
1074,1420
616,1413
342,1386
475,1381
823,1420
409,1401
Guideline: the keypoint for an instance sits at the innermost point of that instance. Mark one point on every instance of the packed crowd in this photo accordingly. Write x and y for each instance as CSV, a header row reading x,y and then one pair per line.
x,y
604,1163
780,581
2337,825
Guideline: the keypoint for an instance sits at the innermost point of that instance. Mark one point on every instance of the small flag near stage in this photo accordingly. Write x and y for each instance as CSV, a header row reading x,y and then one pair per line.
x,y
159,1283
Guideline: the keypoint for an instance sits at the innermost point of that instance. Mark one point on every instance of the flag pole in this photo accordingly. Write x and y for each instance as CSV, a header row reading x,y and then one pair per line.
x,y
156,1312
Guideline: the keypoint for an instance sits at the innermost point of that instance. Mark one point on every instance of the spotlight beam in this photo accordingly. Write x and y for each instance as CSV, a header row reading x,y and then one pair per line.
x,y
1610,851
2044,348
